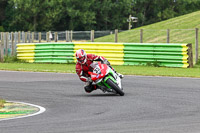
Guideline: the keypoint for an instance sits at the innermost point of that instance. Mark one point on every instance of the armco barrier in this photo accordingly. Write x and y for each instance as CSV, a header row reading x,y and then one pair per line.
x,y
161,54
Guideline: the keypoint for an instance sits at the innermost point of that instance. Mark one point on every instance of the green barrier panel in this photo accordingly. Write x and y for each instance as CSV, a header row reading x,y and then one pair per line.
x,y
178,57
54,52
54,60
171,55
45,53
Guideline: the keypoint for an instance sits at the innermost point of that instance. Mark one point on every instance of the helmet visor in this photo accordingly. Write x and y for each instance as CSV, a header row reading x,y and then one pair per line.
x,y
81,59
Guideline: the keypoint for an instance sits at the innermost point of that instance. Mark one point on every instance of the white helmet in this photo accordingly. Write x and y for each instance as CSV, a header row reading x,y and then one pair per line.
x,y
81,56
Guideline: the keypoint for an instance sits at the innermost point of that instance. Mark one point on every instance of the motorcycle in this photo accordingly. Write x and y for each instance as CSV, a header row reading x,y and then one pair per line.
x,y
105,78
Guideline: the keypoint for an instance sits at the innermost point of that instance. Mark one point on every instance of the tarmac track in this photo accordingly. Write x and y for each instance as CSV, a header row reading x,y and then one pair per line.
x,y
150,105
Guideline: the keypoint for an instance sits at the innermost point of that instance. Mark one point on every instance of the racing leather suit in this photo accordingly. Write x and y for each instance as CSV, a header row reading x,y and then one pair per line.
x,y
82,71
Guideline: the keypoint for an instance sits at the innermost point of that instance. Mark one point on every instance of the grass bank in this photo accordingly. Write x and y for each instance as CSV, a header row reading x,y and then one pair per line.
x,y
156,32
126,70
182,30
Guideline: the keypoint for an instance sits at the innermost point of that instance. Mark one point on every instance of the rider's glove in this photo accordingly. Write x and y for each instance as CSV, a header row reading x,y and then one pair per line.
x,y
106,62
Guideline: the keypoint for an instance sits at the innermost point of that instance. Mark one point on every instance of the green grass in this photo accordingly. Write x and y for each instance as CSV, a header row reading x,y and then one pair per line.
x,y
35,67
126,70
157,32
159,71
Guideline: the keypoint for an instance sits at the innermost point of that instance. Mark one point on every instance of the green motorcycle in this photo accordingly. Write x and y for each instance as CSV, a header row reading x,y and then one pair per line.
x,y
105,78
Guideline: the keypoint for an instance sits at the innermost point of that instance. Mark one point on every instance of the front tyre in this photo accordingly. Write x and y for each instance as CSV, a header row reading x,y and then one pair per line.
x,y
115,87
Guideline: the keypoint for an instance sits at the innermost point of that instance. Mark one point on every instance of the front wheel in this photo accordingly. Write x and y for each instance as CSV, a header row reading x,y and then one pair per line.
x,y
115,87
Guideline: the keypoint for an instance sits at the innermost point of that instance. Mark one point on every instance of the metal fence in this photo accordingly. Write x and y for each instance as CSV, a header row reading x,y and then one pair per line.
x,y
8,41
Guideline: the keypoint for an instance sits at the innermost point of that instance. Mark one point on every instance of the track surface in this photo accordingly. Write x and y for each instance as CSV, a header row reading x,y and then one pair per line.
x,y
150,105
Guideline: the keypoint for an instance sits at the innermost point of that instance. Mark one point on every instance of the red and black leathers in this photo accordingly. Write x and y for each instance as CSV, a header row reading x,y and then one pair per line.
x,y
82,69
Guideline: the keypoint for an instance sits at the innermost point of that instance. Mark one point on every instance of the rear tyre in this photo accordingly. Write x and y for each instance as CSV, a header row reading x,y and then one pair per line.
x,y
115,87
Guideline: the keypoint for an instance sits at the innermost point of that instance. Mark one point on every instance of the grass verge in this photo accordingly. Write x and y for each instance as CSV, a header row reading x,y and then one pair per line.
x,y
126,70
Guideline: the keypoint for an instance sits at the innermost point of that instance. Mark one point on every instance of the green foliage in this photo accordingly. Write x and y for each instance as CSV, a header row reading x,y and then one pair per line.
x,y
3,5
12,59
26,14
112,15
1,29
80,15
154,64
151,11
40,15
55,15
2,103
198,63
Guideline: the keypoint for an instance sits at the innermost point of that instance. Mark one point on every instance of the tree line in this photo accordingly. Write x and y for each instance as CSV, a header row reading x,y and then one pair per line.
x,y
60,15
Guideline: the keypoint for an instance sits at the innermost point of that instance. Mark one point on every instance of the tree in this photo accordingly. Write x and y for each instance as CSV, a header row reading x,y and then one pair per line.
x,y
112,14
151,11
80,14
37,15
25,14
52,15
3,4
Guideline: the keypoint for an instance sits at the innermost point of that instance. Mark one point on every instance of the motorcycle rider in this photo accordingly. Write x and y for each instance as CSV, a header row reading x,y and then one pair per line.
x,y
82,67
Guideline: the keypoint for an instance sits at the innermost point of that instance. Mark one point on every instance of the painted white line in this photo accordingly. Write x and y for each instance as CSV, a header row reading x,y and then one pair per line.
x,y
41,110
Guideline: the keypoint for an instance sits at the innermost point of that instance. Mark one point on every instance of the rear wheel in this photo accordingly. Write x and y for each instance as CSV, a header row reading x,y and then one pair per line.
x,y
115,87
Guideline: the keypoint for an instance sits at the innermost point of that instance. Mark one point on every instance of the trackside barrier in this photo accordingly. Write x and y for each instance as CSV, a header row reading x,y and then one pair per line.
x,y
159,54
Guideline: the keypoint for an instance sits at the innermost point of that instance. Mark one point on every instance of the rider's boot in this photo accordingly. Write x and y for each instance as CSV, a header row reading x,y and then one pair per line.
x,y
119,74
89,87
